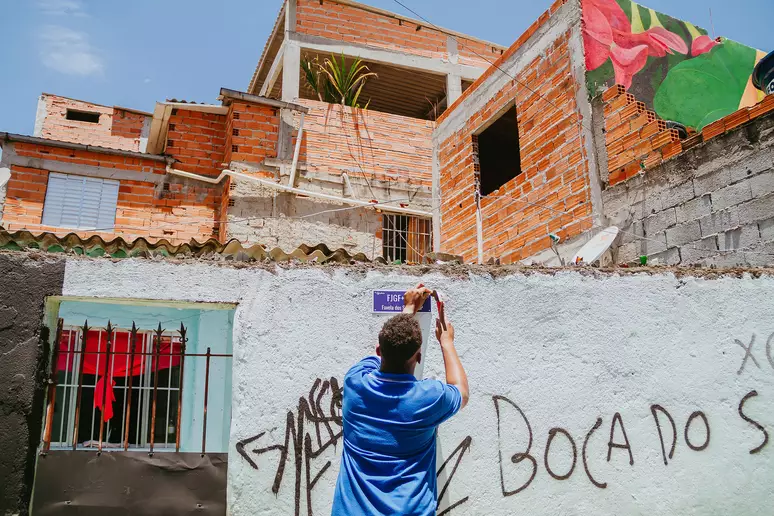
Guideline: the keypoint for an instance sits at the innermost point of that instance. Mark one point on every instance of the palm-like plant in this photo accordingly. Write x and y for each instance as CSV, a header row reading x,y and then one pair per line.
x,y
336,82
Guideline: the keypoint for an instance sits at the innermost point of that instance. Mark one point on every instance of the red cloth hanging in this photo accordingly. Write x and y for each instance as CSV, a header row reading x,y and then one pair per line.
x,y
120,365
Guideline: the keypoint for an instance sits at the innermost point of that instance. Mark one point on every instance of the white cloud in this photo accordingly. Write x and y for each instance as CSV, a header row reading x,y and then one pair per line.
x,y
67,51
62,7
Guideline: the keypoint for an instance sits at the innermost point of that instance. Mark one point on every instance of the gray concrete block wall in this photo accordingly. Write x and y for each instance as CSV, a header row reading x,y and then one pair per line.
x,y
711,205
264,216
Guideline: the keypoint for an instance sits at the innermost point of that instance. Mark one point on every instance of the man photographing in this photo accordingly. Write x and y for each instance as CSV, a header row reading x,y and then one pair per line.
x,y
390,420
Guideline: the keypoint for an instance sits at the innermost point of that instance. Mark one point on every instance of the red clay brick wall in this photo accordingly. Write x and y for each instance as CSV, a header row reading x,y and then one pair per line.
x,y
552,193
117,128
636,140
348,23
381,145
197,140
252,132
182,211
128,124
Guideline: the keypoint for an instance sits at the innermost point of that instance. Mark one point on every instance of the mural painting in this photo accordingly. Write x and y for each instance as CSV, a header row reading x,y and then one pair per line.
x,y
673,66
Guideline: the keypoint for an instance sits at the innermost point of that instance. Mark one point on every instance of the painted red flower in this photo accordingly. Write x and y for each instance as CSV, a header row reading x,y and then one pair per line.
x,y
607,33
702,45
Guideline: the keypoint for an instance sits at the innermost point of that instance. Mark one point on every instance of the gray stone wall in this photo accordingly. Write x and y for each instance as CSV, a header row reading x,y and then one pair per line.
x,y
711,205
264,216
25,282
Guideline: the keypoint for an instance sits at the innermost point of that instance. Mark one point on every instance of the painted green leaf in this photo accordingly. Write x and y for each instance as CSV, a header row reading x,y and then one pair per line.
x,y
599,79
644,16
626,5
706,88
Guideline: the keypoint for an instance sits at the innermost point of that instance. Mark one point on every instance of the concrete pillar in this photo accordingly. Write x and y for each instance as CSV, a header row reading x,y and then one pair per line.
x,y
453,88
291,59
453,82
291,71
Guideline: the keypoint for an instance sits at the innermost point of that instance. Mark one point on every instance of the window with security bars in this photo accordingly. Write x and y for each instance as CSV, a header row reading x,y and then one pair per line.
x,y
116,389
406,239
80,202
119,385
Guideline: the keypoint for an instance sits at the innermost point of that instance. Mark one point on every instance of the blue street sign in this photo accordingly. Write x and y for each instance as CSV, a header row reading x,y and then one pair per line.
x,y
391,302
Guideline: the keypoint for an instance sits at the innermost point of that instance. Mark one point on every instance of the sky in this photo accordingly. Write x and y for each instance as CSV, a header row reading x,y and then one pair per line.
x,y
134,53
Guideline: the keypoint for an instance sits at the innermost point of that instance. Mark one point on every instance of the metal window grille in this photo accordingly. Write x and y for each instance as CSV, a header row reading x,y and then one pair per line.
x,y
147,369
406,239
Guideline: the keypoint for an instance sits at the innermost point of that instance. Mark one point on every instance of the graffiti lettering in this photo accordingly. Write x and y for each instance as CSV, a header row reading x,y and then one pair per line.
x,y
601,485
551,434
459,452
327,432
747,354
693,416
757,425
659,408
624,446
768,351
516,458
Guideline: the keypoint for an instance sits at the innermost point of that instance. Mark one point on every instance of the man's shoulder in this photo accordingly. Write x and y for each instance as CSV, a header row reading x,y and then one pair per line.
x,y
366,365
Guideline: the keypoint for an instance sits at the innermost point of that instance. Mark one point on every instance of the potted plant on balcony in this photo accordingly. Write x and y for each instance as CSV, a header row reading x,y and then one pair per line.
x,y
336,82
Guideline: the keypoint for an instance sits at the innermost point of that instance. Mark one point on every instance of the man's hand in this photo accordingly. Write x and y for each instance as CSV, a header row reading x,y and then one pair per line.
x,y
445,337
415,298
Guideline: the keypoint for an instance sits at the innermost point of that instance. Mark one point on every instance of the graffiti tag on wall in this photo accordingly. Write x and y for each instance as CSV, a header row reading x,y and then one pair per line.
x,y
313,428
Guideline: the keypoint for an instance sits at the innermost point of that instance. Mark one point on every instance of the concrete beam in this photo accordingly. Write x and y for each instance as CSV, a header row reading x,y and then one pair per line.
x,y
226,95
274,72
10,158
5,138
384,56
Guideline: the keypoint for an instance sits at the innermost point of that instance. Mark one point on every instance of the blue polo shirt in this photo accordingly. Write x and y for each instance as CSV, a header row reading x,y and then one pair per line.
x,y
388,458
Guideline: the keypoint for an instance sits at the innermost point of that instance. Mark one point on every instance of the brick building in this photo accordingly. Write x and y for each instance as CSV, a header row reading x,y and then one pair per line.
x,y
466,148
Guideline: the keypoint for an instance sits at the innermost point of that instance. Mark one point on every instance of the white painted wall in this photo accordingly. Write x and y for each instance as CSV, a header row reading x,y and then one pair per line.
x,y
566,349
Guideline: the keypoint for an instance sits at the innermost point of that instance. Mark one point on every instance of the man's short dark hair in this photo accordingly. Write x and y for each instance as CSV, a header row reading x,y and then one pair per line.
x,y
399,339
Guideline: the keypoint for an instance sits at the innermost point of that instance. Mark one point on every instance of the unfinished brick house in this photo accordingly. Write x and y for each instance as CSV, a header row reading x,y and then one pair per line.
x,y
547,142
357,179
495,149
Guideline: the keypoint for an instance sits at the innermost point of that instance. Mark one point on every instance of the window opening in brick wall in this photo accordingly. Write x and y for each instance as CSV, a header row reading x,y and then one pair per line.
x,y
80,202
406,239
82,116
496,150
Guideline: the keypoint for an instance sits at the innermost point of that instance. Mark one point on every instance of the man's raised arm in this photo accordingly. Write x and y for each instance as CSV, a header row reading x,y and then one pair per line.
x,y
455,373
